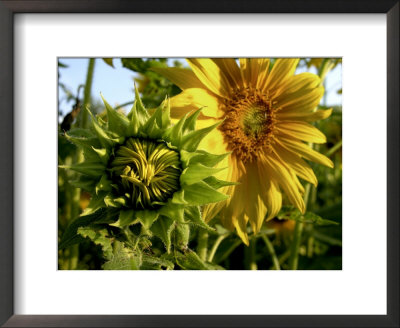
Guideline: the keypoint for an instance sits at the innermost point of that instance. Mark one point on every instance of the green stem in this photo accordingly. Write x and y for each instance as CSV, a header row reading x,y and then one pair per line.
x,y
87,92
335,148
294,252
202,244
271,251
250,255
215,247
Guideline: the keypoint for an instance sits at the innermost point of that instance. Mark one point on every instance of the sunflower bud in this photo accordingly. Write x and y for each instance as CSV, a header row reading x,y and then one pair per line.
x,y
142,168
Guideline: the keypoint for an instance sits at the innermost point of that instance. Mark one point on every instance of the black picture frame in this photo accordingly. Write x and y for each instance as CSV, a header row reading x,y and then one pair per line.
x,y
7,200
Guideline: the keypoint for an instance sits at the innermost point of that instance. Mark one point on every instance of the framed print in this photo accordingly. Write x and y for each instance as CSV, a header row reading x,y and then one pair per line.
x,y
199,164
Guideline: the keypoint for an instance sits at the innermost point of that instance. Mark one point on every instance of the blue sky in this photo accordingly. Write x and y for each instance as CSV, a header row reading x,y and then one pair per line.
x,y
116,84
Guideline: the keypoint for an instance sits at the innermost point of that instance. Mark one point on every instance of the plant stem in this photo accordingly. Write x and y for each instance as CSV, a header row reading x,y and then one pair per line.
x,y
271,251
202,244
215,247
294,252
87,92
250,255
335,147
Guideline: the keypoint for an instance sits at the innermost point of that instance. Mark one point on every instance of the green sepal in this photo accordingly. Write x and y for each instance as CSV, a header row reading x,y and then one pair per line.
x,y
117,122
193,215
207,158
99,237
103,154
163,114
201,193
179,198
190,123
105,140
196,173
191,141
150,128
103,185
187,156
96,202
147,217
189,260
174,211
85,143
83,183
217,183
176,131
93,169
111,201
125,218
162,229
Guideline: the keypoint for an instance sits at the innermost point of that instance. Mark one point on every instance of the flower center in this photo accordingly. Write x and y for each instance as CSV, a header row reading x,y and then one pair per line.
x,y
146,172
249,123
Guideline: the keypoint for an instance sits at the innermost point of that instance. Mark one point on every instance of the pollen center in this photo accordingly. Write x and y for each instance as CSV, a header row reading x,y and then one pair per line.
x,y
249,123
146,172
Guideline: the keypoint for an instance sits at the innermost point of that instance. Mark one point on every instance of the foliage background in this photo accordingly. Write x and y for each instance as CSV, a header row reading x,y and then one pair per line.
x,y
321,238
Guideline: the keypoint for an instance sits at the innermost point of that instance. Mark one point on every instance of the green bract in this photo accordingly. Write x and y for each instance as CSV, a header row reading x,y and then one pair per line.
x,y
143,169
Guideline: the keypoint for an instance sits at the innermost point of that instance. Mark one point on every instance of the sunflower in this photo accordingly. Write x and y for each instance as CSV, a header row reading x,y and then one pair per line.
x,y
265,116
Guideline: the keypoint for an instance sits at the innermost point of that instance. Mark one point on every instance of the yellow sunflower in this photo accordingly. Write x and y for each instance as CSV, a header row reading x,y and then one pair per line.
x,y
264,114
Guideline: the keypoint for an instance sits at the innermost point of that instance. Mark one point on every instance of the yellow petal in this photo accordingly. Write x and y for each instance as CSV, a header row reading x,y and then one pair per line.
x,y
309,117
193,99
241,228
254,71
300,130
283,69
251,191
303,101
231,71
285,179
302,81
301,168
184,78
271,193
210,75
305,151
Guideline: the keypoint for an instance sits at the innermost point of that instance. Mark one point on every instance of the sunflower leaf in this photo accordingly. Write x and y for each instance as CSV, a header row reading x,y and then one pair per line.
x,y
71,237
191,141
123,259
99,237
117,122
193,215
162,229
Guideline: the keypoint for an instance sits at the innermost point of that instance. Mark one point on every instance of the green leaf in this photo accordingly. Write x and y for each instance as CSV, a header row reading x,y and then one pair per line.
x,y
71,237
189,260
94,169
96,202
196,173
193,215
123,259
99,237
163,116
201,193
155,263
162,229
291,213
